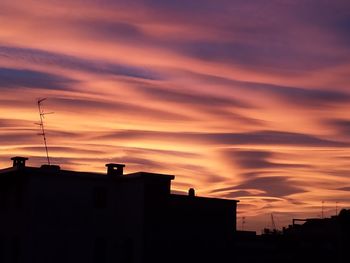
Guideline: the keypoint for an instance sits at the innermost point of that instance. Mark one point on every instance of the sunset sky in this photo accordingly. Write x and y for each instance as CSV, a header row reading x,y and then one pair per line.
x,y
241,99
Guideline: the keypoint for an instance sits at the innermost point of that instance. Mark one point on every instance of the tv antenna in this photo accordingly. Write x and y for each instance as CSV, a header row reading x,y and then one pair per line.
x,y
42,128
336,208
243,222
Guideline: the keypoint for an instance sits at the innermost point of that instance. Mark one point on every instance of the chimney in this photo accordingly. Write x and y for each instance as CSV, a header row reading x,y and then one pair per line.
x,y
115,169
19,162
191,192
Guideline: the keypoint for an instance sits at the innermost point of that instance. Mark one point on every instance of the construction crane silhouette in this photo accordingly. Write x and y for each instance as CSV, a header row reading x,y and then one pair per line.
x,y
273,224
273,230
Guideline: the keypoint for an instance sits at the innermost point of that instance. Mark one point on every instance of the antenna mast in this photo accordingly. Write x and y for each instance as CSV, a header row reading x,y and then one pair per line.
x,y
336,208
243,222
322,209
42,128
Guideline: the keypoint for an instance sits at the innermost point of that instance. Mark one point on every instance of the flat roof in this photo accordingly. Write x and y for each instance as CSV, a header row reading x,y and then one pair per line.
x,y
201,198
55,170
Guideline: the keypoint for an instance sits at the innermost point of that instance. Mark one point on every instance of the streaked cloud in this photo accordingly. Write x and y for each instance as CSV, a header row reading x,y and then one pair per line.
x,y
266,138
275,186
47,58
18,78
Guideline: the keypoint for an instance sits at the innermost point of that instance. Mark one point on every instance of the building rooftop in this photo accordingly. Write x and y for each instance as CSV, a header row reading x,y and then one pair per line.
x,y
113,171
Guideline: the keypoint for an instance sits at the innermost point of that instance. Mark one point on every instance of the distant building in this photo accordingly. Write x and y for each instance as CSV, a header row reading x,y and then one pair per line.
x,y
50,215
320,239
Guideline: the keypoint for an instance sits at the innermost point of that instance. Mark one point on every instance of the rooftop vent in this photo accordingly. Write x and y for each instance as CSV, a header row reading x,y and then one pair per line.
x,y
191,192
51,167
114,169
19,161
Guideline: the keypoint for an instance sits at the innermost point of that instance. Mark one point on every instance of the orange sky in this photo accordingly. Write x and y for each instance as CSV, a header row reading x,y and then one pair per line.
x,y
239,99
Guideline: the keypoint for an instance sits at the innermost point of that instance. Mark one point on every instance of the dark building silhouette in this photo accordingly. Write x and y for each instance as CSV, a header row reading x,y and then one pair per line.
x,y
320,240
50,215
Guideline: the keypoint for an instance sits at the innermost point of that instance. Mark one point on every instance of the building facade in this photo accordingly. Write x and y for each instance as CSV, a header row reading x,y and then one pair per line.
x,y
52,215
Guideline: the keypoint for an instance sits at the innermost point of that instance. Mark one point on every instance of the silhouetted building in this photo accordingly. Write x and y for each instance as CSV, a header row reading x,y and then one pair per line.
x,y
320,239
50,215
306,240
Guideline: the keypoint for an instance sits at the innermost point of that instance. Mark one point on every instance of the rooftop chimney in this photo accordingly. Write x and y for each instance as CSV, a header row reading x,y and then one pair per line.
x,y
114,169
19,161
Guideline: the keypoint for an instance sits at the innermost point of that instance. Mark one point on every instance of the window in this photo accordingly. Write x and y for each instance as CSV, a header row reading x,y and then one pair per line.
x,y
19,196
100,250
15,250
100,197
4,198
